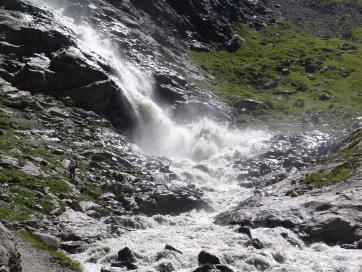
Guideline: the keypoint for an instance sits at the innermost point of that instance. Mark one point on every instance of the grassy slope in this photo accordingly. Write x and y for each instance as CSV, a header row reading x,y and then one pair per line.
x,y
26,200
264,55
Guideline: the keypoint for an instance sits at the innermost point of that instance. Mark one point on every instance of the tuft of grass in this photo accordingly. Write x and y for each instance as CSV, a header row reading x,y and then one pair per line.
x,y
5,123
91,191
12,214
12,176
338,174
303,64
61,257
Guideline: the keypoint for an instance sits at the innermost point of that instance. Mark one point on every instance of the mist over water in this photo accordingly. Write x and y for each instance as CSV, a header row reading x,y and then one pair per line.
x,y
213,146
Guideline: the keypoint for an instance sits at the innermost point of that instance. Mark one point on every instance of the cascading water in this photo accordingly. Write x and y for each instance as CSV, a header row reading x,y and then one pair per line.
x,y
198,141
214,147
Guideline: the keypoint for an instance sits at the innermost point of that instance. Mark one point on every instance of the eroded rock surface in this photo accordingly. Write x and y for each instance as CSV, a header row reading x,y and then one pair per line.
x,y
9,256
306,204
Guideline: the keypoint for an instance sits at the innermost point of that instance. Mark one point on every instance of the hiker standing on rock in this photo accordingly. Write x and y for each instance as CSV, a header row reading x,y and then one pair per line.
x,y
72,166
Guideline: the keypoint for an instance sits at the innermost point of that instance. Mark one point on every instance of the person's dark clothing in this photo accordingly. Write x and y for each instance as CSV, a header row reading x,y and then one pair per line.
x,y
72,166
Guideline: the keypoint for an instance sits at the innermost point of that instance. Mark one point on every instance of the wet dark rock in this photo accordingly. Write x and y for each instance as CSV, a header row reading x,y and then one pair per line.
x,y
73,69
213,268
168,247
125,258
10,259
39,188
291,240
207,258
105,98
359,244
333,230
171,202
73,247
166,267
96,165
324,97
129,266
223,268
246,231
205,268
170,94
17,103
74,205
70,236
192,18
256,243
349,246
283,93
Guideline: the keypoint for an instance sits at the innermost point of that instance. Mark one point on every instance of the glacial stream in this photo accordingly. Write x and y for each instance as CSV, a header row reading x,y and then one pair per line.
x,y
202,154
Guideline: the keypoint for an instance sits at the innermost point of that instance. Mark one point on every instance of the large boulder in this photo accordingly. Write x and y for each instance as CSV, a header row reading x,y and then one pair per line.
x,y
74,69
171,202
126,259
9,256
207,258
47,239
213,268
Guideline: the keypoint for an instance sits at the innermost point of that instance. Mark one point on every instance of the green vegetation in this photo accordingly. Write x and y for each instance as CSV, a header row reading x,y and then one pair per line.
x,y
325,178
12,214
357,34
62,258
24,189
288,71
26,198
5,123
91,191
347,161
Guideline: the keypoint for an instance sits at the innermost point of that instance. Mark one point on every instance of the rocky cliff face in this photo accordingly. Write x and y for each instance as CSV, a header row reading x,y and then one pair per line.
x,y
9,256
204,25
39,54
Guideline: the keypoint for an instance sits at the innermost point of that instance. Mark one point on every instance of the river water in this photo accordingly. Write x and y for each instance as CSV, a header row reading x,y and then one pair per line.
x,y
202,154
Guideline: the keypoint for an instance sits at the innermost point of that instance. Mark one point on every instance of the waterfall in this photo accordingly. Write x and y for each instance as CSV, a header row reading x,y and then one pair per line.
x,y
156,132
202,154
